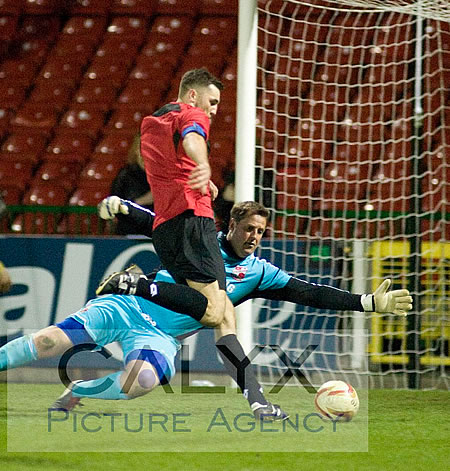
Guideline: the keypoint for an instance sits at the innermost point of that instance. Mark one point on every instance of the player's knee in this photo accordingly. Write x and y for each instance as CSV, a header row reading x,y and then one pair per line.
x,y
147,379
215,311
144,382
213,317
44,343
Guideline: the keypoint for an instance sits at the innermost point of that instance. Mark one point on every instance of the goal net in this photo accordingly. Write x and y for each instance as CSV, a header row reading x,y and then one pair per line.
x,y
353,136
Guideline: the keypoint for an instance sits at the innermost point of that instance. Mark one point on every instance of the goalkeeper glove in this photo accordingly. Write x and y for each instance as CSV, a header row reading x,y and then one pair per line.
x,y
397,301
110,206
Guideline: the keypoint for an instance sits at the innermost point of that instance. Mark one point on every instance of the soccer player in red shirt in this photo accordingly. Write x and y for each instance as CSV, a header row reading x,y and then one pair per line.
x,y
175,153
174,147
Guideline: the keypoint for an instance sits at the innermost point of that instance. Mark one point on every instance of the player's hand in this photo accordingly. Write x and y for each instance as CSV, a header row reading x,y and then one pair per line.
x,y
110,206
398,301
200,177
5,280
213,190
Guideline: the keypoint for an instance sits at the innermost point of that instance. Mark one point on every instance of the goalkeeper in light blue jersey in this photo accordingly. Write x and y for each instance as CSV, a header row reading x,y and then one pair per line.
x,y
247,276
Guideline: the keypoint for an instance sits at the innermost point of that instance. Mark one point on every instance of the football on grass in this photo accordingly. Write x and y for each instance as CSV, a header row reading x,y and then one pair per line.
x,y
337,400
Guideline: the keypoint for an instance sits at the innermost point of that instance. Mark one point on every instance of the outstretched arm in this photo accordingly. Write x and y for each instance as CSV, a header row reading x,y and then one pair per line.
x,y
142,218
310,294
297,291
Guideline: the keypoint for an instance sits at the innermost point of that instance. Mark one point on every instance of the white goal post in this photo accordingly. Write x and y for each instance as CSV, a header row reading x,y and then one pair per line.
x,y
350,102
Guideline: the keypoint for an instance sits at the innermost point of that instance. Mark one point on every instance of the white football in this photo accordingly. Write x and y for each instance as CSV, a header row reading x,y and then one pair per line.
x,y
337,400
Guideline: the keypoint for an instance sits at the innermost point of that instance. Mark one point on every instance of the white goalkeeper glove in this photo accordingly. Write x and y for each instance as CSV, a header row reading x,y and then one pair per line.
x,y
110,206
398,301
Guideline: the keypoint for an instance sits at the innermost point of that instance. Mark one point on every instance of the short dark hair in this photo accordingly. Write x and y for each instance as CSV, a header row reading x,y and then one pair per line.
x,y
198,78
245,209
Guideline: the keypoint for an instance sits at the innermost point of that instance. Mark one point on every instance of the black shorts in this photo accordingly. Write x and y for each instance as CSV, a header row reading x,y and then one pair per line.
x,y
188,249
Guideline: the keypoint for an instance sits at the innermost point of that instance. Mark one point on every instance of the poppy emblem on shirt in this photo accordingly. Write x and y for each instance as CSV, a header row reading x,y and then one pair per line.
x,y
238,273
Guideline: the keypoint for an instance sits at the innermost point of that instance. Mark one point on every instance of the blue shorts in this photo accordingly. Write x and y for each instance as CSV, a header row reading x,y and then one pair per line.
x,y
114,318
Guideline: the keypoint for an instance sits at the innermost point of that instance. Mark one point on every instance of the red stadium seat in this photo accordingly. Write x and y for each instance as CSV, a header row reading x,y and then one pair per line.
x,y
219,7
202,50
325,102
356,152
111,74
435,190
74,48
11,7
179,7
32,158
5,118
159,72
82,120
35,119
296,186
88,196
116,45
19,172
229,77
116,144
436,159
175,28
46,194
335,228
33,26
67,148
32,50
160,48
147,94
62,71
48,92
60,173
90,7
133,7
94,93
130,29
346,181
290,226
11,193
315,130
19,71
12,96
224,123
127,120
211,55
100,170
42,7
216,29
104,58
25,144
90,27
301,150
8,25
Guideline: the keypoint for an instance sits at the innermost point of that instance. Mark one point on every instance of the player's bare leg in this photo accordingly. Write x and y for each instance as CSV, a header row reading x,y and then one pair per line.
x,y
51,341
46,343
218,303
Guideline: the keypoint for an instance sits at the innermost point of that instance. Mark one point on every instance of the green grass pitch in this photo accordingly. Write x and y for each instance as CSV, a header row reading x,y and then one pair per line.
x,y
398,430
